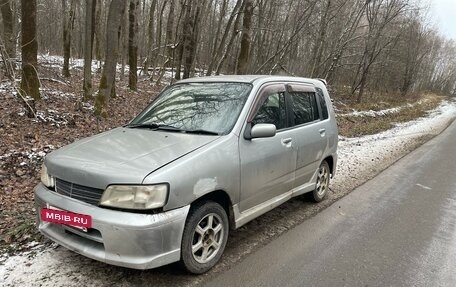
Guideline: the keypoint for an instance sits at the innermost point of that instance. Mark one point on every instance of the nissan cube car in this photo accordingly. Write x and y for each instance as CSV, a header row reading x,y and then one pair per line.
x,y
206,156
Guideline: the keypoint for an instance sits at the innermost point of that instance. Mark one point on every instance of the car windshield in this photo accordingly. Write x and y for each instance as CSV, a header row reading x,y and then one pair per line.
x,y
209,108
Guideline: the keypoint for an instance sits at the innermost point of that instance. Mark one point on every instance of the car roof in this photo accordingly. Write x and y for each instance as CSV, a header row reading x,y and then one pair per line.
x,y
253,79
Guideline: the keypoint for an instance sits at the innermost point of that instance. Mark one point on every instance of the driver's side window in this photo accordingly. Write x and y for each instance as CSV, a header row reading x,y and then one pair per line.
x,y
272,111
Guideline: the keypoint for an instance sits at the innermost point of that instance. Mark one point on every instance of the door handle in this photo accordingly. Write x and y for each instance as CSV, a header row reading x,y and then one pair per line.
x,y
286,141
322,132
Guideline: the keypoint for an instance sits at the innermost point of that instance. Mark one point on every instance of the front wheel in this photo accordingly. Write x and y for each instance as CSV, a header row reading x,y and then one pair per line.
x,y
322,185
204,238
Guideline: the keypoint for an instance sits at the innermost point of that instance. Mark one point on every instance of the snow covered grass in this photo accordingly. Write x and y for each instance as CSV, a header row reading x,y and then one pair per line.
x,y
383,112
358,154
359,123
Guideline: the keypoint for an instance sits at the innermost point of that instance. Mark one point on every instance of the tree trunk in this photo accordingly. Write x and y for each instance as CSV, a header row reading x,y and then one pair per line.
x,y
133,45
317,52
169,30
29,82
123,38
97,31
169,42
8,31
184,32
362,86
88,46
108,76
221,46
188,45
150,37
216,37
243,58
68,23
231,41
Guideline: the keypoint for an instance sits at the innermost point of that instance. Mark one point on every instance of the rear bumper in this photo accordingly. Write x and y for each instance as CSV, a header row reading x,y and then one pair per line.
x,y
139,241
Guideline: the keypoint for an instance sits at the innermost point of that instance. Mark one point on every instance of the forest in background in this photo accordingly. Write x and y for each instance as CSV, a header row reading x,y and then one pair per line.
x,y
358,46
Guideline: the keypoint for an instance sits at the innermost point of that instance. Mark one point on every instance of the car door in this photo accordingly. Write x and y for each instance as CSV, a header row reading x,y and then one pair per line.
x,y
267,164
309,131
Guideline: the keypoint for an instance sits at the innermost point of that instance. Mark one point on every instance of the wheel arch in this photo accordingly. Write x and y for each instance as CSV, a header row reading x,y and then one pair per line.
x,y
221,197
330,161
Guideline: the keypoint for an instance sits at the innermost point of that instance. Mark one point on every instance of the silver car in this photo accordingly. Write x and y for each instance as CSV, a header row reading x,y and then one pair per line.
x,y
206,156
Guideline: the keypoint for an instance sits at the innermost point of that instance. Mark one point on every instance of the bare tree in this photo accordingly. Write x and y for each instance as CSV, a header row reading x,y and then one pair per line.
x,y
170,46
98,34
183,31
8,29
232,39
108,76
191,36
243,59
29,82
415,51
123,37
317,52
218,50
379,14
150,37
133,44
68,24
89,33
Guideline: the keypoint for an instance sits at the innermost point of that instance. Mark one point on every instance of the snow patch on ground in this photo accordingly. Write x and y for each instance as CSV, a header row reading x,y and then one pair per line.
x,y
46,94
53,117
30,157
56,62
372,113
60,267
367,152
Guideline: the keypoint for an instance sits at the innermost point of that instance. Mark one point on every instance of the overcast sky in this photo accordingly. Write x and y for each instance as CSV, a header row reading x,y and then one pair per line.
x,y
444,12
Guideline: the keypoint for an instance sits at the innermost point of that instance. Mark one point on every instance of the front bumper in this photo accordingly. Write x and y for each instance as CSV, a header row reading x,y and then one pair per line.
x,y
139,241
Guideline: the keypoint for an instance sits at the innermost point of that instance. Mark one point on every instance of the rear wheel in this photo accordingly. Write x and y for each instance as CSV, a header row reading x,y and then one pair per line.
x,y
204,238
322,185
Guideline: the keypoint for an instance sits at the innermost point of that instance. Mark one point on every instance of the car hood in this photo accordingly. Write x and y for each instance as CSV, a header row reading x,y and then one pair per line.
x,y
122,155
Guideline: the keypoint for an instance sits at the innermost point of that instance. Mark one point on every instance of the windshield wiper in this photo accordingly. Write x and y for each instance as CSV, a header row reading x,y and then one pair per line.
x,y
153,126
202,132
156,126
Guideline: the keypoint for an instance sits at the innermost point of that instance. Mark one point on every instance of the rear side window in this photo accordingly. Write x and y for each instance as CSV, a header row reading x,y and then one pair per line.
x,y
272,111
323,106
305,108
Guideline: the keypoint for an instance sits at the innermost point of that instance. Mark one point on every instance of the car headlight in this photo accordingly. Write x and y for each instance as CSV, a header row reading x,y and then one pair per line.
x,y
135,196
46,179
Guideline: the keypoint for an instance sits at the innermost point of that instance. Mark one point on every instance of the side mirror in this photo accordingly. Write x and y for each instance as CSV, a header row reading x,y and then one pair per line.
x,y
263,131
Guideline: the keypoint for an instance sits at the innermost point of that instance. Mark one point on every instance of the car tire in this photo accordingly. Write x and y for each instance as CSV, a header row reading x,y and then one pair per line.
x,y
322,184
204,238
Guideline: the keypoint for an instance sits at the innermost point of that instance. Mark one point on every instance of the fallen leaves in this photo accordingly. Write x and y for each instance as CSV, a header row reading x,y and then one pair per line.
x,y
62,118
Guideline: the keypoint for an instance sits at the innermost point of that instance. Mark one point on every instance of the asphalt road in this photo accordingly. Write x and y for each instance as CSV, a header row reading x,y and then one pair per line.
x,y
398,229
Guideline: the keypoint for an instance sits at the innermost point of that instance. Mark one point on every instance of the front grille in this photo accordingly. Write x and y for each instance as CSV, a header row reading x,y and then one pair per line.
x,y
83,193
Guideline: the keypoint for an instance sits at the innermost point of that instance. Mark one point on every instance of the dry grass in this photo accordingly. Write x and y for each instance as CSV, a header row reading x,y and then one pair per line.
x,y
353,126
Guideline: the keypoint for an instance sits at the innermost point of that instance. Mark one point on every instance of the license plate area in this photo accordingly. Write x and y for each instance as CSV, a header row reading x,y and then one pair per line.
x,y
56,215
